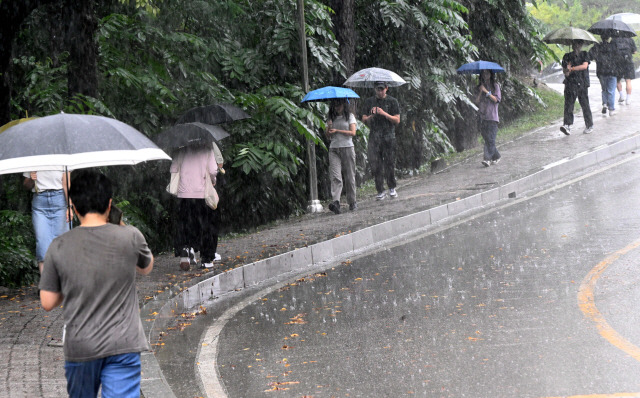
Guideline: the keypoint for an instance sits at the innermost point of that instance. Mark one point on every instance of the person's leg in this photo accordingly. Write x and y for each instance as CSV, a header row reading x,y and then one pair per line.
x,y
583,98
210,220
335,173
570,94
603,92
609,91
375,162
349,167
83,378
619,86
121,376
486,137
389,160
493,133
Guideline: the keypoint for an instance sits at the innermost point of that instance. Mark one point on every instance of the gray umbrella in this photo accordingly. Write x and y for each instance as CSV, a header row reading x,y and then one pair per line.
x,y
213,114
188,134
612,28
369,76
69,141
568,35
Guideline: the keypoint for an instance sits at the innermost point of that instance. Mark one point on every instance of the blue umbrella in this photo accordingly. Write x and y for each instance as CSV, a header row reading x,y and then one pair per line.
x,y
476,67
329,92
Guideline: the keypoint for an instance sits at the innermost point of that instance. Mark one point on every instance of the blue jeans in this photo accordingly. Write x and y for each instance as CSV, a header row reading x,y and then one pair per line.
x,y
608,84
489,131
118,374
48,214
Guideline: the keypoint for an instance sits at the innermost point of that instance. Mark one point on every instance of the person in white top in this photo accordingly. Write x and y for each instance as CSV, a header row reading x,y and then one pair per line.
x,y
341,128
49,212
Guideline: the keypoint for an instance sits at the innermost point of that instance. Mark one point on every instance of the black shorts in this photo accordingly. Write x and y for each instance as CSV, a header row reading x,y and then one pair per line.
x,y
626,71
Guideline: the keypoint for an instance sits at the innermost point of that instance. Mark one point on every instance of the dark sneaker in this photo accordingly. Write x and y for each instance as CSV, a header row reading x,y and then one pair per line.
x,y
496,161
604,109
353,206
566,129
335,207
486,163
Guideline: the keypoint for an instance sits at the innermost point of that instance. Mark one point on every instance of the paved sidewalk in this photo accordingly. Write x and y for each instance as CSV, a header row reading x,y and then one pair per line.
x,y
31,368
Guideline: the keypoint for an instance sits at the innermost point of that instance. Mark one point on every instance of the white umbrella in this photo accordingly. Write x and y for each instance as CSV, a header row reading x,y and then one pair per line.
x,y
69,141
369,76
631,19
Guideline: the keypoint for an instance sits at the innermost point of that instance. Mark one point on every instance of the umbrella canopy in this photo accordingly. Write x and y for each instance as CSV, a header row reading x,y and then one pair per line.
x,y
368,78
631,19
329,92
612,28
568,35
213,114
188,134
17,121
477,66
69,141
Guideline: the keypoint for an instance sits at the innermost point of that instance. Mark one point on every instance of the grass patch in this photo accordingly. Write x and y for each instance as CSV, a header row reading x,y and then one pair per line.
x,y
542,116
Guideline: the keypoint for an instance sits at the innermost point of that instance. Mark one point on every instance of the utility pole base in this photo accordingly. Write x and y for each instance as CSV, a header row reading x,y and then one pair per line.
x,y
314,207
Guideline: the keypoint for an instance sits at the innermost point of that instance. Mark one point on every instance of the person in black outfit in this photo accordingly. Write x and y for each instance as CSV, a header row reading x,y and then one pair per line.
x,y
625,47
604,54
382,113
575,66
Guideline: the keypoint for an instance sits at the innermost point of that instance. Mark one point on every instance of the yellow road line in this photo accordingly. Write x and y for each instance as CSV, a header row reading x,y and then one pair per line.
x,y
587,303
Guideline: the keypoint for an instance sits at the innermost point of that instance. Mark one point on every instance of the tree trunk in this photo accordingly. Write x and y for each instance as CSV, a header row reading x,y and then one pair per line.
x,y
82,73
345,34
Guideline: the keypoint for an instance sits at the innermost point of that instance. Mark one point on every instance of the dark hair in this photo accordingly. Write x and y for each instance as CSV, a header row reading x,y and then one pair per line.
x,y
90,192
492,79
346,110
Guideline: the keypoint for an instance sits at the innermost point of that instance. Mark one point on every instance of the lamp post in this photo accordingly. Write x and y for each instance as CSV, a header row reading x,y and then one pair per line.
x,y
314,204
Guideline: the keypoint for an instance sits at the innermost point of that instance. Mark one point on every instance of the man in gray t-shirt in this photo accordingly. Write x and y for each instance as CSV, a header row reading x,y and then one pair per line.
x,y
91,270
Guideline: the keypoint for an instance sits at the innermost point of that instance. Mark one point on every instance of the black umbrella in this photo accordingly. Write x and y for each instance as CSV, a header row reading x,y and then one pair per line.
x,y
188,134
612,28
213,114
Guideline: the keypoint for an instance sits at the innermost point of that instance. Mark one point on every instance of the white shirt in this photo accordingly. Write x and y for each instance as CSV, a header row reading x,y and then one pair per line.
x,y
46,180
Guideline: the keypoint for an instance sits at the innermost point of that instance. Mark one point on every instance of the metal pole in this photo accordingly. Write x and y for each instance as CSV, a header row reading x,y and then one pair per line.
x,y
314,204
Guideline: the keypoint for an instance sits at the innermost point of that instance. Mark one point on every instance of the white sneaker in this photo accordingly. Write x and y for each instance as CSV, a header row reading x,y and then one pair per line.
x,y
192,256
217,258
612,112
381,196
486,163
392,193
628,100
207,265
588,130
566,129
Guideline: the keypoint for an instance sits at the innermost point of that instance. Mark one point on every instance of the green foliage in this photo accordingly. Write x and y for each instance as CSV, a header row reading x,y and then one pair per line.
x,y
17,264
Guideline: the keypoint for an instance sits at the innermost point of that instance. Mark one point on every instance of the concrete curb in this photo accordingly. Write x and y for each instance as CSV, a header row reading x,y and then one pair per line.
x,y
153,382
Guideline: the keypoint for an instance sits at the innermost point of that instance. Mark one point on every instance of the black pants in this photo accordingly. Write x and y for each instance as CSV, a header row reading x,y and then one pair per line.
x,y
382,160
197,226
570,94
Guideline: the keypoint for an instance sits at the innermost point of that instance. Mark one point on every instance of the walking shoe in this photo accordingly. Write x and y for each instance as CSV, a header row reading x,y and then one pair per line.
x,y
612,112
353,206
335,207
217,258
392,193
207,265
566,129
496,161
604,109
486,163
381,196
588,130
628,100
621,100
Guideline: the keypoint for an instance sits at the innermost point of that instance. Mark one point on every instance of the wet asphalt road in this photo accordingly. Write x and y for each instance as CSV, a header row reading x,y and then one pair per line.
x,y
497,305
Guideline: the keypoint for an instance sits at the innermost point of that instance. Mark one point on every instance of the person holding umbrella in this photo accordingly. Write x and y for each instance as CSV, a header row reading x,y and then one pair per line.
x,y
488,98
382,113
604,54
341,128
575,66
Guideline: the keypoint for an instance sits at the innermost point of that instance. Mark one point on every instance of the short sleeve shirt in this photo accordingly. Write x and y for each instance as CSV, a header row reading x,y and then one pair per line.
x,y
580,78
95,270
339,140
47,180
380,125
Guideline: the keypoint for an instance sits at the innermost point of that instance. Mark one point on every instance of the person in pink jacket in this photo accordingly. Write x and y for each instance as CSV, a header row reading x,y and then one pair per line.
x,y
197,224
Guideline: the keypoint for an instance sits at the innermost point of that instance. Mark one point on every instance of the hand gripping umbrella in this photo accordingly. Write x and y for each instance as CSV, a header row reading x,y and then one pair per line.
x,y
478,66
369,76
69,141
328,93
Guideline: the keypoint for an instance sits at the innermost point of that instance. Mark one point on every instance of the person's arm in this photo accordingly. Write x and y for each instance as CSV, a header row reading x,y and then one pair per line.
x,y
29,182
578,68
351,131
50,300
146,270
66,184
